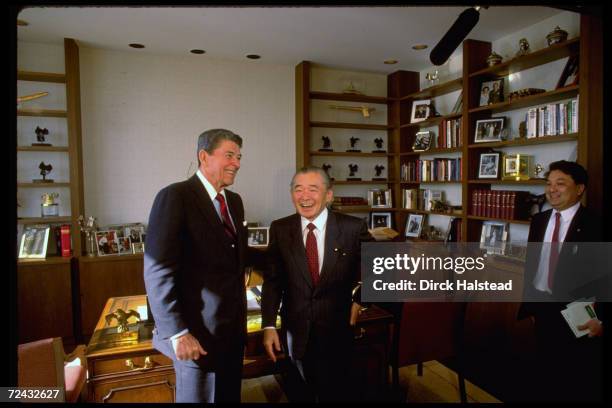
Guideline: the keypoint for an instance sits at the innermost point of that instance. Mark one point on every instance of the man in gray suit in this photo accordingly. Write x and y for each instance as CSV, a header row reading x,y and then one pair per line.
x,y
314,267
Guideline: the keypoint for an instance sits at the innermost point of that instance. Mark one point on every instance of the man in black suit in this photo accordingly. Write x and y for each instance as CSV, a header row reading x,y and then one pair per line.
x,y
194,274
557,272
315,260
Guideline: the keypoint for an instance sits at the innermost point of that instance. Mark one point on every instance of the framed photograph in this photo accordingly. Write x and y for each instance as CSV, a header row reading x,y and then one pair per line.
x,y
489,130
489,166
34,241
380,219
414,225
491,92
258,237
494,236
380,198
107,243
138,247
569,75
422,141
420,110
517,167
125,245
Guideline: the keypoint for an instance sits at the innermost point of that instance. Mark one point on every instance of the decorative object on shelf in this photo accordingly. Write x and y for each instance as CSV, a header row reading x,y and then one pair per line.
x,y
493,237
107,243
31,97
569,75
89,229
353,169
122,319
40,137
494,59
538,169
326,167
258,237
351,89
383,233
523,48
414,225
420,110
432,77
48,206
365,110
422,141
523,129
379,198
525,92
378,169
326,144
379,145
517,167
489,165
432,233
489,130
353,140
491,92
44,170
380,220
556,36
440,206
535,203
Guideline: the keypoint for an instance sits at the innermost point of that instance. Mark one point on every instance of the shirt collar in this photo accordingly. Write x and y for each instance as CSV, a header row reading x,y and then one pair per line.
x,y
319,222
209,187
568,213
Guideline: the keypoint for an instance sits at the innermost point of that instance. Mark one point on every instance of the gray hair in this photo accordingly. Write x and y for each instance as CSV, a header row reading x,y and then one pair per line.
x,y
313,169
210,140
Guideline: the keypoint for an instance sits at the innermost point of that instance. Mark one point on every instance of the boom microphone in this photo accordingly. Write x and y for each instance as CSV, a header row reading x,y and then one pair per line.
x,y
453,37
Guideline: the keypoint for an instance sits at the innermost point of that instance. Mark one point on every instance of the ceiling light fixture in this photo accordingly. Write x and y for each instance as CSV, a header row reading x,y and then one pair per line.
x,y
22,23
419,47
136,45
253,56
196,51
390,61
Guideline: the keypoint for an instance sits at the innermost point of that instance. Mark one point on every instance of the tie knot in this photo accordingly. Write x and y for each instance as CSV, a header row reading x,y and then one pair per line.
x,y
220,198
311,227
557,216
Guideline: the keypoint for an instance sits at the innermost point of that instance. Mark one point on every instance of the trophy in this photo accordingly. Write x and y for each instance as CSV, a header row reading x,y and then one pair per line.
x,y
353,168
40,137
379,145
326,145
48,207
44,170
353,141
89,229
326,168
379,168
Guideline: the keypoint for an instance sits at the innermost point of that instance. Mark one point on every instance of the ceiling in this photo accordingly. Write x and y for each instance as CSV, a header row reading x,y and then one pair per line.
x,y
343,37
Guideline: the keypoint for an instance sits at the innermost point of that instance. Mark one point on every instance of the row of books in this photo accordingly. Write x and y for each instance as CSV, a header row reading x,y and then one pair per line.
x,y
503,204
553,119
431,170
344,201
449,134
420,198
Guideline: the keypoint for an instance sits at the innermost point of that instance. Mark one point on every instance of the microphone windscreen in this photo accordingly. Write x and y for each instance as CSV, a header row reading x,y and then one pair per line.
x,y
453,37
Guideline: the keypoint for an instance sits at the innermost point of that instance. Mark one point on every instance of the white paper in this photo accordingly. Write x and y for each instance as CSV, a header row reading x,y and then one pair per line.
x,y
576,314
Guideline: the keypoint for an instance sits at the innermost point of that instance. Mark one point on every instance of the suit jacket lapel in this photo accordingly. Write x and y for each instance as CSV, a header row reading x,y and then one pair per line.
x,y
298,250
237,218
575,226
332,233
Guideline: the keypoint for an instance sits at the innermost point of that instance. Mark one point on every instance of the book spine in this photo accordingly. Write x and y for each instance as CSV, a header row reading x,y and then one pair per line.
x,y
65,238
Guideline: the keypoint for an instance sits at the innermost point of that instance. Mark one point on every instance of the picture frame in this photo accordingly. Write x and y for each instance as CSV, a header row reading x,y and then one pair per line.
x,y
489,165
489,130
380,219
414,225
124,245
138,247
258,237
106,242
491,92
34,241
380,198
569,75
420,110
494,236
517,167
422,141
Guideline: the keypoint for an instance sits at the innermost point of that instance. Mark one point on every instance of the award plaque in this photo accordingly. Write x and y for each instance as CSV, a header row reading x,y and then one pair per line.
x,y
353,168
48,207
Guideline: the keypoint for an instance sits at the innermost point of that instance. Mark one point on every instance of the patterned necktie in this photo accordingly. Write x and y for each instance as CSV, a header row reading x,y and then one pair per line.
x,y
554,251
227,222
312,254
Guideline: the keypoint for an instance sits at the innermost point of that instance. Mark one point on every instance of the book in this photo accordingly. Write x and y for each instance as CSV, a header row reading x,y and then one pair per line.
x,y
65,239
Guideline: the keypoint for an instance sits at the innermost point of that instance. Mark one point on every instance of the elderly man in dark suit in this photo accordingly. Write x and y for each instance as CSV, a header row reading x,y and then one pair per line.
x,y
194,274
315,260
567,368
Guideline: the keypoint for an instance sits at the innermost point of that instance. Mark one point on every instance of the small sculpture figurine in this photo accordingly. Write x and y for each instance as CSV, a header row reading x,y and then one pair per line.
x,y
44,170
523,48
432,77
556,36
326,145
122,318
353,141
353,168
494,59
326,168
89,228
379,144
40,137
379,168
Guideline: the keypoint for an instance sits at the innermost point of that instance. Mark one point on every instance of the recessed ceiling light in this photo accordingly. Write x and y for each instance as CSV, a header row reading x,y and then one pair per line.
x,y
196,51
135,45
390,61
253,56
419,46
22,23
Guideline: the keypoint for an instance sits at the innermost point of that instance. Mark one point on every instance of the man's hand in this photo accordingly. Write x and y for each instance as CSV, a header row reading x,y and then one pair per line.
x,y
594,326
355,310
187,347
271,340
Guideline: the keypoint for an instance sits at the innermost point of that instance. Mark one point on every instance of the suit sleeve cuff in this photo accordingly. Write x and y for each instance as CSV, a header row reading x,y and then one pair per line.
x,y
179,334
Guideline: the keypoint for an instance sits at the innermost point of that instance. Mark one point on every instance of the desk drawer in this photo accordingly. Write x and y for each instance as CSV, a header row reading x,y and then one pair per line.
x,y
126,364
157,385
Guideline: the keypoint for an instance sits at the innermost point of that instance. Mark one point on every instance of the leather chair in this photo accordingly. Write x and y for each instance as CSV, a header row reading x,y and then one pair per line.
x,y
43,363
428,331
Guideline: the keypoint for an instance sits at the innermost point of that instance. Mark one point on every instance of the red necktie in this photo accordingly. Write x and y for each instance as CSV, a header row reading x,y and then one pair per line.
x,y
554,251
227,222
312,254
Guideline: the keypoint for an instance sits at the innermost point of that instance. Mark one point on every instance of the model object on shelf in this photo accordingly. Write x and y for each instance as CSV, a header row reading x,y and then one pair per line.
x,y
122,318
48,206
556,36
523,48
40,137
44,170
326,167
432,77
326,145
353,169
494,59
378,169
26,98
525,92
353,140
365,110
351,90
379,145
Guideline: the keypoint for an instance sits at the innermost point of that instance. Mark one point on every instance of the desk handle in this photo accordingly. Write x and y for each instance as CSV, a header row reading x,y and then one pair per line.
x,y
148,364
362,333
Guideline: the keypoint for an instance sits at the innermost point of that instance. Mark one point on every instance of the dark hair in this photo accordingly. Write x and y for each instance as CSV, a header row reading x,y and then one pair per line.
x,y
314,169
572,169
210,140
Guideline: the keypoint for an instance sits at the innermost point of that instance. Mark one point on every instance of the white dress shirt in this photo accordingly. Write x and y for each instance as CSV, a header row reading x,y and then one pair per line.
x,y
540,282
320,223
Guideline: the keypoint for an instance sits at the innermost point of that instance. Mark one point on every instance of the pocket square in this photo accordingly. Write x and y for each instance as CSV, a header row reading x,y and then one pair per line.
x,y
244,223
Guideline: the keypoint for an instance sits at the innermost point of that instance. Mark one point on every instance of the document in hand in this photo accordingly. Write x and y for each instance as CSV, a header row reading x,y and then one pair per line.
x,y
577,313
